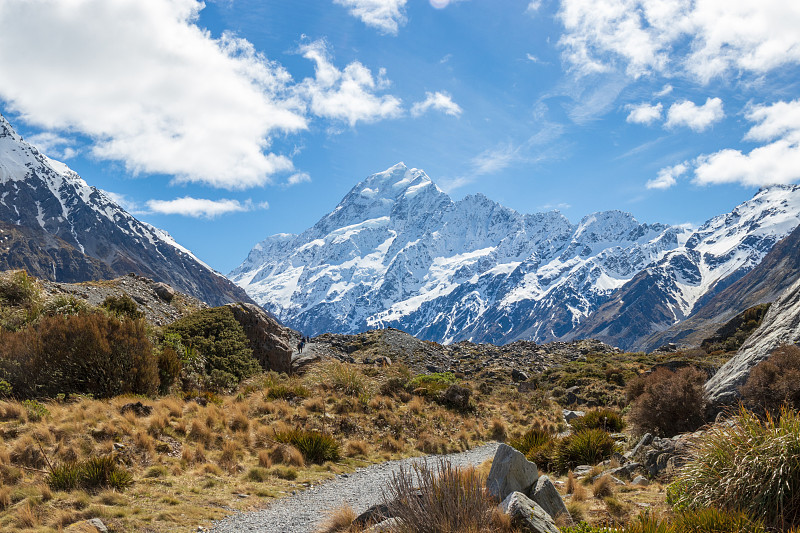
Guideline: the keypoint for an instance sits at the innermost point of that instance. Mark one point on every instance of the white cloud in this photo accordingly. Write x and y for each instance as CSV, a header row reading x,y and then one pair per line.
x,y
439,101
349,94
533,6
123,201
698,118
198,207
53,145
776,162
384,15
297,178
493,160
667,177
532,58
667,89
153,89
644,113
705,38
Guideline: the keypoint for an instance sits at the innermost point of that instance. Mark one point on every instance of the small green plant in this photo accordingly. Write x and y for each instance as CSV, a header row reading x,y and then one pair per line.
x,y
431,384
35,410
585,447
316,447
92,474
122,306
605,419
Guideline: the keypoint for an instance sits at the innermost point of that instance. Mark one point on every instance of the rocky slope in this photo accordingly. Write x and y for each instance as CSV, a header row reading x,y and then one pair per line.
x,y
397,251
680,283
781,325
763,284
46,196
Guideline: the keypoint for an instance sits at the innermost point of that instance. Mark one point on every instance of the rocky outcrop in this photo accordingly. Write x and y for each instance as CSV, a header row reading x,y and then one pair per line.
x,y
781,325
527,515
546,495
658,456
510,472
271,342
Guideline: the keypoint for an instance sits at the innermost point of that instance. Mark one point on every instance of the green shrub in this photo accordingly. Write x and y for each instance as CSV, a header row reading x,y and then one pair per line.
x,y
122,306
91,353
219,339
605,419
585,447
19,289
65,305
538,446
774,381
431,384
282,391
64,477
169,368
316,447
35,410
667,403
752,466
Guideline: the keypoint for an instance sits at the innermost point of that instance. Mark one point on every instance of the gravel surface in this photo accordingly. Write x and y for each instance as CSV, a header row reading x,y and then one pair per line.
x,y
304,511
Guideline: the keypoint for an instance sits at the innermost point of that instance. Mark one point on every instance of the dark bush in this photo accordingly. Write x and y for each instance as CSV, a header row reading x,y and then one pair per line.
x,y
774,381
538,446
169,369
220,340
122,306
666,403
85,354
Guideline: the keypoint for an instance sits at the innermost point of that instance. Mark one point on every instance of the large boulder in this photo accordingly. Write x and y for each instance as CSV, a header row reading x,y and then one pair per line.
x,y
527,515
271,342
548,498
510,472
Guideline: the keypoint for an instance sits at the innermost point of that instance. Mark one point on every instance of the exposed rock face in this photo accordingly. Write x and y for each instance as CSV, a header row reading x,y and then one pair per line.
x,y
781,325
46,195
510,472
270,341
527,515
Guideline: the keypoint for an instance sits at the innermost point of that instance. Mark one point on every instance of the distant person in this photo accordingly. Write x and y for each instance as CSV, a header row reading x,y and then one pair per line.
x,y
300,346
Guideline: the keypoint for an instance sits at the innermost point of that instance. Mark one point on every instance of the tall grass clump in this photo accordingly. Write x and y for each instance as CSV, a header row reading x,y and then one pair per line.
x,y
585,447
432,499
538,446
344,378
316,447
752,465
605,419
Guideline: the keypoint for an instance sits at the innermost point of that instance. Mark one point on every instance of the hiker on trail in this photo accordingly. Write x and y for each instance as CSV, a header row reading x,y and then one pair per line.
x,y
300,346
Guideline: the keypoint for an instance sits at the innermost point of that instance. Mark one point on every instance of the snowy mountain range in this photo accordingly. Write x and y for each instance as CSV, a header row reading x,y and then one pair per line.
x,y
397,251
47,197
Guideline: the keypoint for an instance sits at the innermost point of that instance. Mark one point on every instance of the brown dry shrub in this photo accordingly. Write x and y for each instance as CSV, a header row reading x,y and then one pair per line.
x,y
774,382
498,430
27,452
357,447
286,454
338,520
602,487
667,403
391,444
264,459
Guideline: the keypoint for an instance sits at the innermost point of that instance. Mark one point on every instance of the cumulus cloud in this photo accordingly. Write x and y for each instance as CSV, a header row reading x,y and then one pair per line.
x,y
384,15
691,115
667,177
644,113
198,207
440,101
154,90
347,95
298,178
704,38
777,161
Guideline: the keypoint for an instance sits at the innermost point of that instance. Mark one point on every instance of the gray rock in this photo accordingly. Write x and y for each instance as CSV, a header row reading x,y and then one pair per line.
x,y
527,514
271,342
642,444
164,291
781,325
572,395
581,470
519,375
640,481
97,524
386,526
510,472
569,416
548,498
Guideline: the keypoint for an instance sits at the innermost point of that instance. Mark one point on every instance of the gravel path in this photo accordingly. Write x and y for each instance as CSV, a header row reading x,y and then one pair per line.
x,y
304,511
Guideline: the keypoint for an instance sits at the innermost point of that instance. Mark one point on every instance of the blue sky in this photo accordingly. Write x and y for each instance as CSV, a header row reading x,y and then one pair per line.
x,y
228,121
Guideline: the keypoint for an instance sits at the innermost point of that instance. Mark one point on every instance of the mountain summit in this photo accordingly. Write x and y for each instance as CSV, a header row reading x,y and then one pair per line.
x,y
49,198
397,251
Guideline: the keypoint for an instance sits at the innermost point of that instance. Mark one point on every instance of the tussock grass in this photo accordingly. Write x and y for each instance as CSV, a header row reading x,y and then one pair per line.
x,y
751,465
